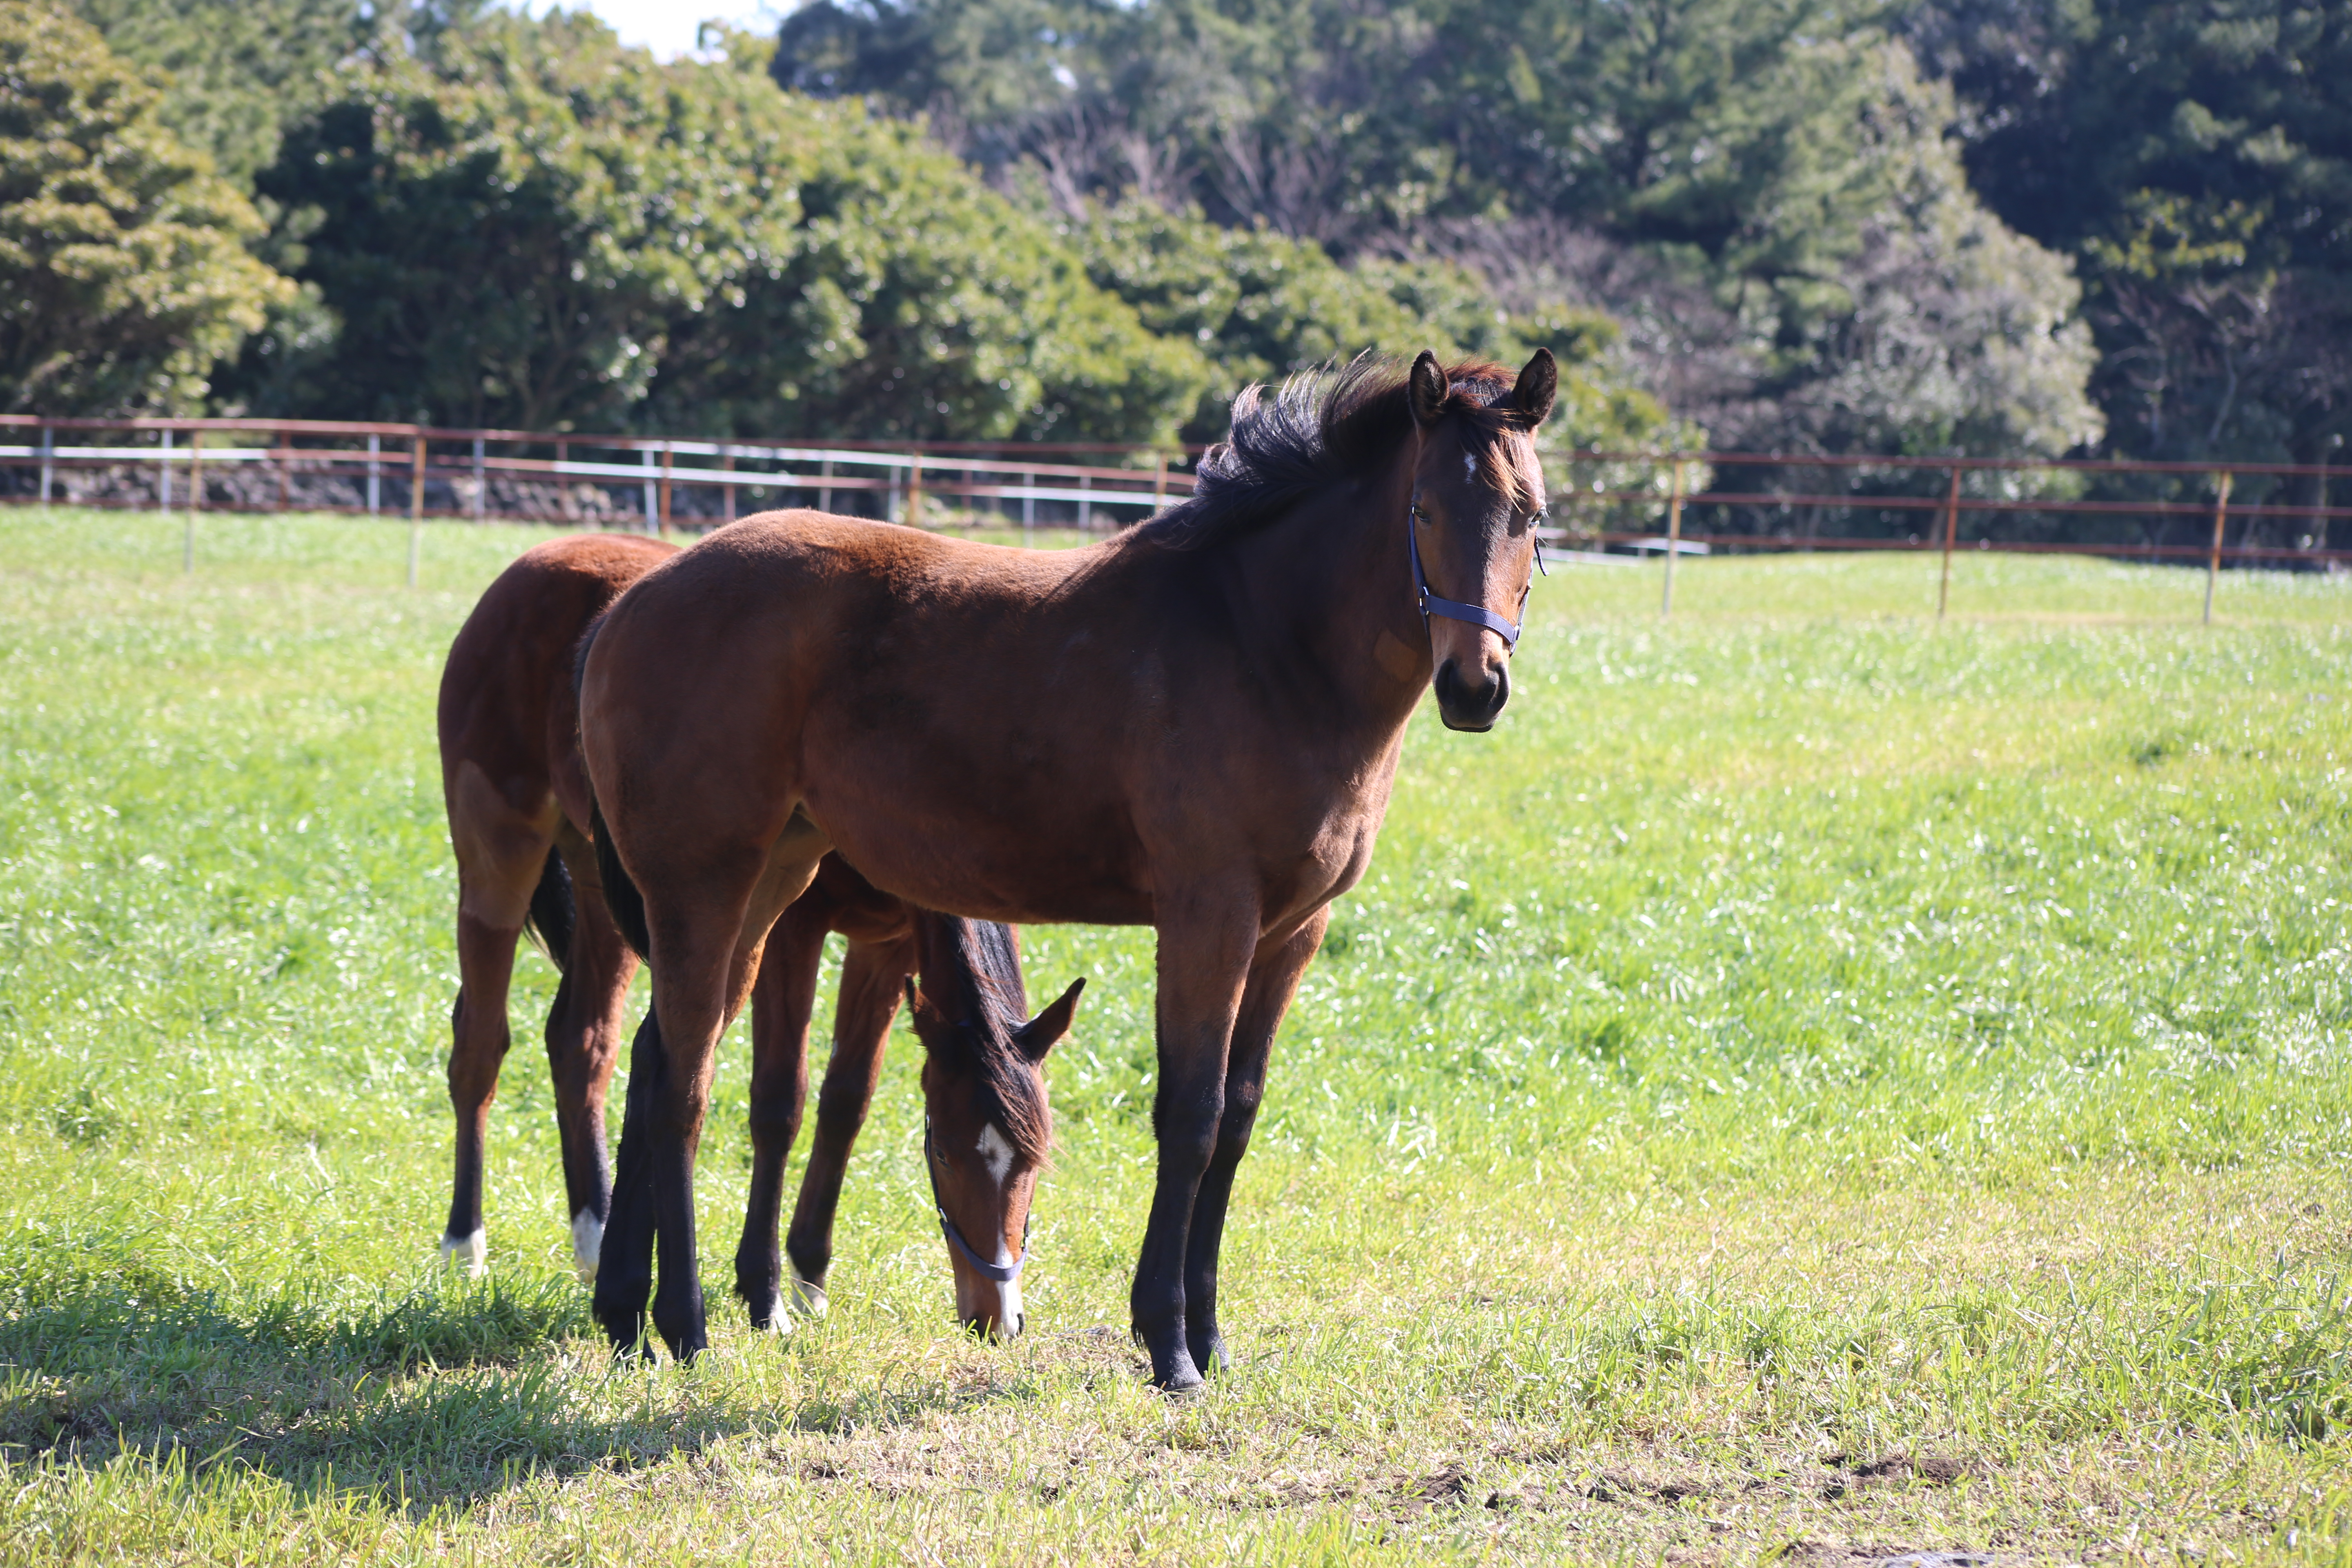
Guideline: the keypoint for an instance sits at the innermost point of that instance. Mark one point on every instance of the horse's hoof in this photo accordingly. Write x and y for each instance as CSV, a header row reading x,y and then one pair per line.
x,y
808,1299
470,1253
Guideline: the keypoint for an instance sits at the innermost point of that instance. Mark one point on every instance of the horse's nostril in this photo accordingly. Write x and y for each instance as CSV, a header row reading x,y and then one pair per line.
x,y
1466,707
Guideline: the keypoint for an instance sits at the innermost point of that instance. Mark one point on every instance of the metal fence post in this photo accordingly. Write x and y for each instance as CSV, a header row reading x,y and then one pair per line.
x,y
1952,529
646,461
1674,540
164,477
482,480
1029,510
416,502
1086,507
915,491
375,473
890,503
824,492
729,462
48,458
2213,559
2319,507
188,537
285,468
664,490
196,474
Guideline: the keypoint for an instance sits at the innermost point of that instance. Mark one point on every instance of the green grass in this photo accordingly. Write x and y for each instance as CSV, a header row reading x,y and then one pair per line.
x,y
1809,1084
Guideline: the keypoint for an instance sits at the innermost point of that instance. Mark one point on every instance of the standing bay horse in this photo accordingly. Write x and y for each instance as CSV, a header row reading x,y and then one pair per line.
x,y
516,794
1194,726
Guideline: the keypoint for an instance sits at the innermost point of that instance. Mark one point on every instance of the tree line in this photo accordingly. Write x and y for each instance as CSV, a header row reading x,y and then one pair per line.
x,y
457,215
2022,227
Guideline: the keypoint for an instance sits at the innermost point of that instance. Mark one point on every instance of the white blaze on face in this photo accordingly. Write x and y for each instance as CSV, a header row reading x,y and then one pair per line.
x,y
587,1241
1470,467
470,1252
996,1152
1008,1308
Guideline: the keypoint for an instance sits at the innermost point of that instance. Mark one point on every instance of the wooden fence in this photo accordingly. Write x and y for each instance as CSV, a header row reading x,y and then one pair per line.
x,y
1639,501
417,471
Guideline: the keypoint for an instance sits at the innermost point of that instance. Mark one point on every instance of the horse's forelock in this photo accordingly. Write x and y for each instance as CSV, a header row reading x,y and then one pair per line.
x,y
1493,428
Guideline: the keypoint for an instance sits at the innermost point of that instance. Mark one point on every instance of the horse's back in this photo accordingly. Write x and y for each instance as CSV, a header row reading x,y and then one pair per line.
x,y
510,664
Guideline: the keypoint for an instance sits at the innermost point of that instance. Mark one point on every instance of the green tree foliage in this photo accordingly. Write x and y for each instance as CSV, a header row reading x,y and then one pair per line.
x,y
507,233
1262,305
2198,159
537,228
915,302
235,70
123,270
1757,183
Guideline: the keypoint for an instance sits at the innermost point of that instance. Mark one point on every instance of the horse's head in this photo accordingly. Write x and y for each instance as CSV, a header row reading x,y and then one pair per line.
x,y
1477,499
988,1123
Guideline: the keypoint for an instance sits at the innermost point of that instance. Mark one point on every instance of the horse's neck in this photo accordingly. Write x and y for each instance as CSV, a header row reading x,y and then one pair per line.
x,y
1334,583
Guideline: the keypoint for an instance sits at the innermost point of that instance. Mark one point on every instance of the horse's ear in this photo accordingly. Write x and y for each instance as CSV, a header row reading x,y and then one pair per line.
x,y
920,1006
1037,1036
1426,390
1538,384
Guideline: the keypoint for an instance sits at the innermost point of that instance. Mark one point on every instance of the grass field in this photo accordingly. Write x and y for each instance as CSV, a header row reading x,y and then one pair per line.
x,y
1811,1085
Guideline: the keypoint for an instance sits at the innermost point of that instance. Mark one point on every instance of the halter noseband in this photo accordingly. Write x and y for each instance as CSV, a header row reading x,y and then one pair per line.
x,y
1454,609
1002,1273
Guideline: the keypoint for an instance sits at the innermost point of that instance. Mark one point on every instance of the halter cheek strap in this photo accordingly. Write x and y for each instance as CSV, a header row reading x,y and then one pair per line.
x,y
1002,1273
1454,609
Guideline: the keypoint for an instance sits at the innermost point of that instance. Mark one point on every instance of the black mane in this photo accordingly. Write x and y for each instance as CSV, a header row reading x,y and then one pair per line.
x,y
1321,428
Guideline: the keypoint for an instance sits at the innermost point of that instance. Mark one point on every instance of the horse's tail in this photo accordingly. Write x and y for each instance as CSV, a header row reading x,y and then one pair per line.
x,y
552,913
621,896
626,904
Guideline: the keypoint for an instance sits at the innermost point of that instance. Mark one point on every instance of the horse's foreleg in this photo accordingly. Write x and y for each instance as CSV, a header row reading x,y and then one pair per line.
x,y
871,979
1273,981
707,948
1204,963
782,998
583,1044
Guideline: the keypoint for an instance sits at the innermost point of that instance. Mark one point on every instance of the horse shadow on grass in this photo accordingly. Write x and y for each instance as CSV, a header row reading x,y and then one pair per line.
x,y
444,1394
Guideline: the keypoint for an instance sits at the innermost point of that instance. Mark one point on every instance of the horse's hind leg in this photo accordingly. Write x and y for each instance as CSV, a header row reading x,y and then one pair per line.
x,y
782,999
625,1263
494,892
872,977
584,1044
1274,979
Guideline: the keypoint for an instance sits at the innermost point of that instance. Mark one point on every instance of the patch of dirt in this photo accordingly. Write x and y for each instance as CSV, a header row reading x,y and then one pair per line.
x,y
1934,1469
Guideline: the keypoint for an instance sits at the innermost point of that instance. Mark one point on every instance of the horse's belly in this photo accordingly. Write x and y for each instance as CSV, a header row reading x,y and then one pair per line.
x,y
993,865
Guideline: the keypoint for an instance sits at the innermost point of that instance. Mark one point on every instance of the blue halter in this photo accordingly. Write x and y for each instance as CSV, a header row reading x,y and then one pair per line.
x,y
1454,609
1002,1273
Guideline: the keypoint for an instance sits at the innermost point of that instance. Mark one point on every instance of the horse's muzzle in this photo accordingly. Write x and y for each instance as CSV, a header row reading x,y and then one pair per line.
x,y
1472,708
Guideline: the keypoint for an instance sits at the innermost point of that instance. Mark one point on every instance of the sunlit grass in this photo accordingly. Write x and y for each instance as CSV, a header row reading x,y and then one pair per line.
x,y
1812,1081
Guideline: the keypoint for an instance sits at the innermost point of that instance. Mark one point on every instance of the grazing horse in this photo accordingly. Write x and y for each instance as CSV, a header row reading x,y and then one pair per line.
x,y
517,795
1194,726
